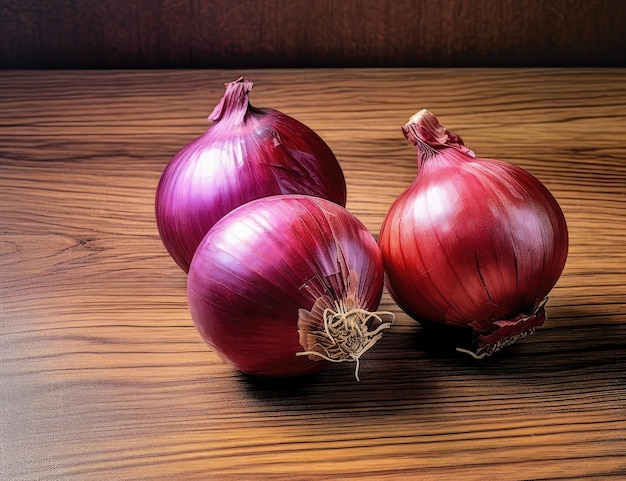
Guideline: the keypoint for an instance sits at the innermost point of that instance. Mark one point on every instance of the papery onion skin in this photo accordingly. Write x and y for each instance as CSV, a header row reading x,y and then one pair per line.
x,y
268,265
246,154
473,243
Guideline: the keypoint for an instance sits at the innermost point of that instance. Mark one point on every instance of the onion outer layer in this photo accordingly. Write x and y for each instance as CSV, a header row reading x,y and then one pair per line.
x,y
472,243
248,153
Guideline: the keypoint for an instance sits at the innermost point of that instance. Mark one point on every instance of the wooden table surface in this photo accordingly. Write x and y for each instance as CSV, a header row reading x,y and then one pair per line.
x,y
103,375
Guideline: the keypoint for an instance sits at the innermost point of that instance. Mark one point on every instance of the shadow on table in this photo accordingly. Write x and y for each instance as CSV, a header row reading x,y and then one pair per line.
x,y
416,370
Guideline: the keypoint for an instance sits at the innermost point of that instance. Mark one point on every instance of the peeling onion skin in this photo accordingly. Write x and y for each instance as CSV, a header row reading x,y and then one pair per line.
x,y
247,153
472,243
267,262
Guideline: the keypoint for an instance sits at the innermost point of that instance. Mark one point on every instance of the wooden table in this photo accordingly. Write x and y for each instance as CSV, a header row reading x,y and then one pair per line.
x,y
103,375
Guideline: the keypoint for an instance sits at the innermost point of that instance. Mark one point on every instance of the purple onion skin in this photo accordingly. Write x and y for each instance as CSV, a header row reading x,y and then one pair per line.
x,y
265,261
474,243
248,153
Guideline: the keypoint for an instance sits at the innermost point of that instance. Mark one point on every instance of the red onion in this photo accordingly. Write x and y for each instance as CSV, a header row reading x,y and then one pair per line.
x,y
248,153
472,243
285,284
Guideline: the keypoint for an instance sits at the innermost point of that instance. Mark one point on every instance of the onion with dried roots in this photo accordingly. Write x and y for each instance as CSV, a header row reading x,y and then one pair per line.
x,y
283,285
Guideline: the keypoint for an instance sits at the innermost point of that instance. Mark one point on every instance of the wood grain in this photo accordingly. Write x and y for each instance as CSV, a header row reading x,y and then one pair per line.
x,y
103,376
311,33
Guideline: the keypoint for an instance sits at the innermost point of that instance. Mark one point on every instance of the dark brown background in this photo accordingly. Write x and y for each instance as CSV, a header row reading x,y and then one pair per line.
x,y
324,33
